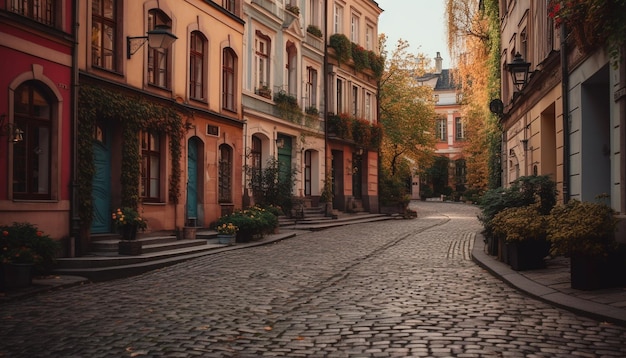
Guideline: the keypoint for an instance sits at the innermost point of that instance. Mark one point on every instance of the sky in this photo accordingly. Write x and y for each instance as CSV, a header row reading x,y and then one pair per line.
x,y
420,22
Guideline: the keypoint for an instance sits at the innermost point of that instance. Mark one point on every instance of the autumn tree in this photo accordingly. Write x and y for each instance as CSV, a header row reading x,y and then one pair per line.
x,y
474,40
406,114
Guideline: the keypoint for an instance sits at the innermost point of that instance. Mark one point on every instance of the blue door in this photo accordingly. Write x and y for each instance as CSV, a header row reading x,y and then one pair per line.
x,y
101,191
192,180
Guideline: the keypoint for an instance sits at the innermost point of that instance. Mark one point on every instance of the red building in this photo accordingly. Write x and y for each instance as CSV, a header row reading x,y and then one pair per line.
x,y
36,100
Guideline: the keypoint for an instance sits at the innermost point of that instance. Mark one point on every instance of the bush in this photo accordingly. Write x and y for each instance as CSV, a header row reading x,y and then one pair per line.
x,y
24,243
253,223
582,227
519,224
524,191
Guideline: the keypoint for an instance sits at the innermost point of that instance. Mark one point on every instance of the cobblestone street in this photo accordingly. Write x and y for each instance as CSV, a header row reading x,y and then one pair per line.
x,y
398,288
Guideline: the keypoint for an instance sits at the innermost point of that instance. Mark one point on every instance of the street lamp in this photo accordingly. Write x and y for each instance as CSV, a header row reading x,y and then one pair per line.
x,y
160,37
519,71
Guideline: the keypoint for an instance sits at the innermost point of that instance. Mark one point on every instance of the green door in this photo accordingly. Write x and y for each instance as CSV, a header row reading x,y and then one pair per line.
x,y
101,190
192,180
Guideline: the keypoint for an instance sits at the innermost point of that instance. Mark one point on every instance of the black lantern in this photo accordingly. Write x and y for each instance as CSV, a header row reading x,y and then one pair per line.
x,y
160,37
519,71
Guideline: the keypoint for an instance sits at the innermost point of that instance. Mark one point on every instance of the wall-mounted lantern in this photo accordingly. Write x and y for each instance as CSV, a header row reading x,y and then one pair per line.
x,y
160,37
519,71
13,133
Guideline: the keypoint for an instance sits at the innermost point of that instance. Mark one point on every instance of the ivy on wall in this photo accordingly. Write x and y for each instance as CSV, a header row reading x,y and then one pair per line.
x,y
135,114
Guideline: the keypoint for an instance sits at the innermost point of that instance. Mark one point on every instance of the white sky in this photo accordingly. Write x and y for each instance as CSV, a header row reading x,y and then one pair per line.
x,y
420,22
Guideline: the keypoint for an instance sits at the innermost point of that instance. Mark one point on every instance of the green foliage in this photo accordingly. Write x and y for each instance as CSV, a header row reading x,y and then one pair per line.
x,y
288,107
524,191
272,185
520,224
138,114
314,30
342,46
128,216
360,57
327,190
392,189
24,243
252,223
361,131
582,228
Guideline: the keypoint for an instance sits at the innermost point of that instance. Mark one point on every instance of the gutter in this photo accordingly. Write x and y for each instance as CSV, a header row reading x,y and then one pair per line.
x,y
566,126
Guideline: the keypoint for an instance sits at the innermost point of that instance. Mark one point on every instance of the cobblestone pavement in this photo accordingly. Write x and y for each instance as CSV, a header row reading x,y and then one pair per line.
x,y
399,288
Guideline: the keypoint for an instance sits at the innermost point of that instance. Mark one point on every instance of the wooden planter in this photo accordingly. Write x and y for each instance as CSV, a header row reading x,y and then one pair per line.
x,y
16,276
226,239
527,255
588,272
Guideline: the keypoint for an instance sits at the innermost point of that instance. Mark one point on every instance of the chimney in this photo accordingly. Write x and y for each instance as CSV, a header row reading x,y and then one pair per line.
x,y
438,63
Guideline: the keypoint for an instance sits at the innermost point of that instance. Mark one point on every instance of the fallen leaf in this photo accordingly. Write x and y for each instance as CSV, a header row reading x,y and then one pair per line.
x,y
268,328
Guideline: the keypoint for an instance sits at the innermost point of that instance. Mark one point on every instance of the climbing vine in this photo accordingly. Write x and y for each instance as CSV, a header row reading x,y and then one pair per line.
x,y
135,114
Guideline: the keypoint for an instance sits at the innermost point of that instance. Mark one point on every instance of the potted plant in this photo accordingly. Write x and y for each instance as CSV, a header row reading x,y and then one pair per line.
x,y
264,91
227,233
24,250
585,232
524,232
128,221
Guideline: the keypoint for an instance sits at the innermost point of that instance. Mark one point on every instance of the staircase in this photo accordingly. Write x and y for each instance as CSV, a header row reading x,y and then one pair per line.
x,y
164,248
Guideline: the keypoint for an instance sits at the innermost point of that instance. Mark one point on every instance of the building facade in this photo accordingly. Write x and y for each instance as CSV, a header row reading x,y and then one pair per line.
x,y
567,119
36,109
166,116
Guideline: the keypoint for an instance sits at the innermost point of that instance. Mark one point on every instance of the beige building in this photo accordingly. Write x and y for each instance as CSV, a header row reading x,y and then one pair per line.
x,y
165,115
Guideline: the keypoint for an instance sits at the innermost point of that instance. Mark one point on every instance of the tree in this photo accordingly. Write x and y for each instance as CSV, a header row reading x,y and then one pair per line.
x,y
474,39
406,110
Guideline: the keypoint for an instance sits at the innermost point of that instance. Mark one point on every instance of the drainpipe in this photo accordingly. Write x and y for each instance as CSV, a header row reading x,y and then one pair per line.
x,y
74,224
326,149
565,99
622,125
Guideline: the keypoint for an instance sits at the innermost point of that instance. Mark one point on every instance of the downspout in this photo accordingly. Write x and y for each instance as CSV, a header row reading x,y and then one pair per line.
x,y
74,223
565,100
326,149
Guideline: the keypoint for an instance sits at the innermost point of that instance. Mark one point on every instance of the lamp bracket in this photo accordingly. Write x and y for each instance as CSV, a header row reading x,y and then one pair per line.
x,y
133,44
13,132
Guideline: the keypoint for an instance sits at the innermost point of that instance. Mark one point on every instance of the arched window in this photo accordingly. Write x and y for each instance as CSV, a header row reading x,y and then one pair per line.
x,y
197,56
225,174
229,81
158,59
32,170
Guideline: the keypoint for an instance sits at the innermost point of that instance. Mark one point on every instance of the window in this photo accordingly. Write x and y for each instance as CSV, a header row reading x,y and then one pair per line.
x,y
311,87
228,79
368,106
225,174
460,128
314,10
38,10
339,96
369,38
196,65
229,5
32,156
442,134
158,59
355,101
354,29
338,22
104,34
292,69
150,166
262,59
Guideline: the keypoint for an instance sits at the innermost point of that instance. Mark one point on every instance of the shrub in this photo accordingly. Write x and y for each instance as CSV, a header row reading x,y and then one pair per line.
x,y
519,224
582,227
342,46
314,30
252,223
24,243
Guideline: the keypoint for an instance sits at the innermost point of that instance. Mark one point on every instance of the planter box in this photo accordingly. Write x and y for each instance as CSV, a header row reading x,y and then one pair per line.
x,y
527,255
225,239
596,272
16,276
492,246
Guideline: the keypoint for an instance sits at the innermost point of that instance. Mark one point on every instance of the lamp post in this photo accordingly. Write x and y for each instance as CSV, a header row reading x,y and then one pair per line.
x,y
519,71
160,37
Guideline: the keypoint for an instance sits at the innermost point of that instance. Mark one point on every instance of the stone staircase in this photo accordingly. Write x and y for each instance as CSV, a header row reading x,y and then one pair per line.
x,y
164,248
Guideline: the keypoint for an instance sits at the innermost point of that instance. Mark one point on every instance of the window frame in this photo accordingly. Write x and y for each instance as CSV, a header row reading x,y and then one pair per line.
x,y
99,48
151,185
225,174
262,56
159,59
442,129
30,124
30,10
197,63
229,79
